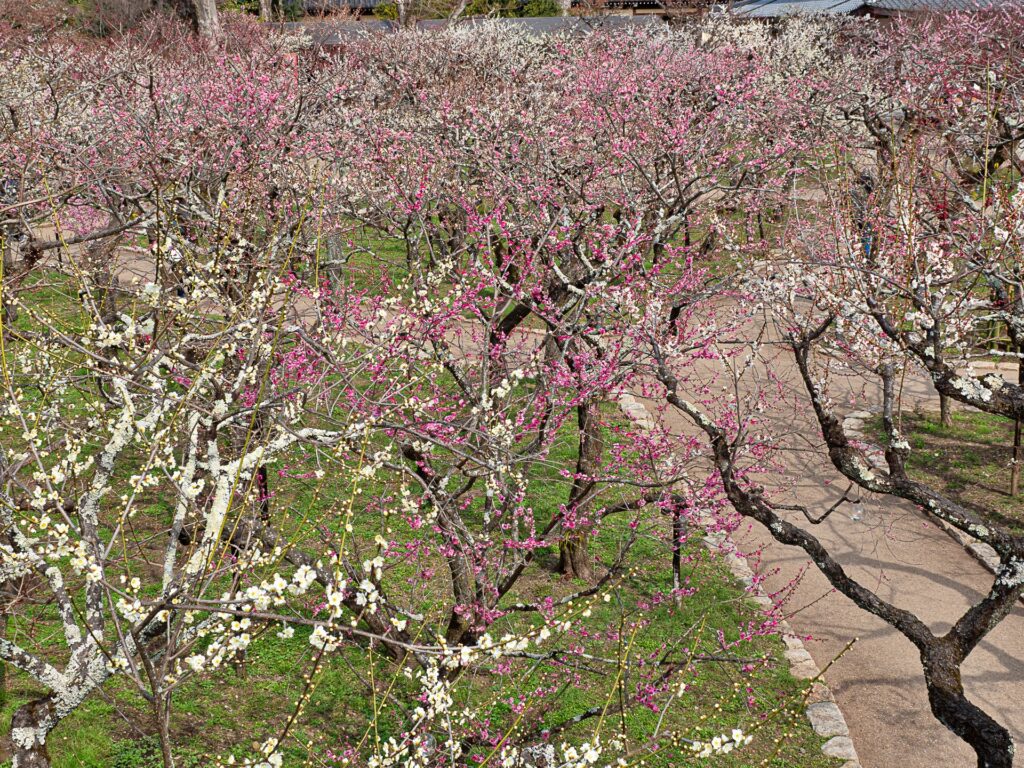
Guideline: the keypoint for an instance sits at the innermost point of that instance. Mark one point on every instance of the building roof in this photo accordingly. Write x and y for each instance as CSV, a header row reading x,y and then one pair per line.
x,y
770,8
328,33
939,5
773,8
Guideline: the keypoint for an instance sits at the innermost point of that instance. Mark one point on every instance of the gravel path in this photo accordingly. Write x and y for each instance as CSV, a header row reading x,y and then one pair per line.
x,y
909,561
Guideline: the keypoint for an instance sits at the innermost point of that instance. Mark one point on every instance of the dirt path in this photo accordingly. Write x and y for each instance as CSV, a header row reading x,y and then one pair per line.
x,y
910,562
878,684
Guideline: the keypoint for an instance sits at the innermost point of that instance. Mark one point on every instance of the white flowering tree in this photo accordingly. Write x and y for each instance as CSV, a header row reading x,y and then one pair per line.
x,y
910,254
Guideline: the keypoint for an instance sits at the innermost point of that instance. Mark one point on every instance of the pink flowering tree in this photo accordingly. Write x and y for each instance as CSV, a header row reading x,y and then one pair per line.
x,y
228,413
577,191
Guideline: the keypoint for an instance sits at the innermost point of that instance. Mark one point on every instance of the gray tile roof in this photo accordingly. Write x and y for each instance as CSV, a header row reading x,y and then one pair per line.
x,y
939,5
772,8
328,33
769,8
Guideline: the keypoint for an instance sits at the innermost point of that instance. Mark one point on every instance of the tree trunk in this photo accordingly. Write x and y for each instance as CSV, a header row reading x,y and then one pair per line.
x,y
574,558
1018,457
163,714
99,258
464,587
574,551
9,248
3,665
990,741
266,12
207,23
677,554
31,724
945,414
201,16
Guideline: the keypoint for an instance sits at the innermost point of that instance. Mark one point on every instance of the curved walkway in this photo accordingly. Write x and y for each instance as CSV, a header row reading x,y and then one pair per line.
x,y
878,683
908,561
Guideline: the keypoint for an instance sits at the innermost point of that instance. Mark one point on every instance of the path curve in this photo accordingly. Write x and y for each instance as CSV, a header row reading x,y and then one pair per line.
x,y
909,561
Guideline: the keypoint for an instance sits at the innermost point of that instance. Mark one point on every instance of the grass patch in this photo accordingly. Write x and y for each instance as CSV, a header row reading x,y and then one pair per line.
x,y
968,461
236,708
242,706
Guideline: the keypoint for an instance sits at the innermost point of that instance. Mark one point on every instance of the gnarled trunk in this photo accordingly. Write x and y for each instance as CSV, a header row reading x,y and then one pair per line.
x,y
31,724
99,261
201,16
1018,451
945,411
678,528
9,250
574,558
465,592
989,740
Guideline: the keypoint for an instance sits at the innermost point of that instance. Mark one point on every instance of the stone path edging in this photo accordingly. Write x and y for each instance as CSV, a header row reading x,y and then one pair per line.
x,y
822,710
